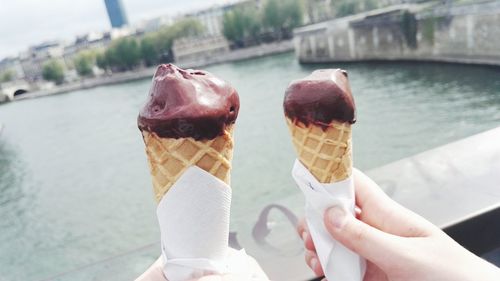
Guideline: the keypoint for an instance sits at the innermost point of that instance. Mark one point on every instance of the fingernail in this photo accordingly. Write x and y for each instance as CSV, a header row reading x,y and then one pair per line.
x,y
336,216
314,263
304,236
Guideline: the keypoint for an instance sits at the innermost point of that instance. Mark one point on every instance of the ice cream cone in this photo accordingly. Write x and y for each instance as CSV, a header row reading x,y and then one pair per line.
x,y
169,157
320,111
326,153
187,121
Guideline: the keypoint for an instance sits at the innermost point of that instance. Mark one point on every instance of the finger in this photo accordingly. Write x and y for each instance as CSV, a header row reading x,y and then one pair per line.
x,y
153,273
357,211
308,242
380,211
374,273
361,238
303,231
301,226
312,261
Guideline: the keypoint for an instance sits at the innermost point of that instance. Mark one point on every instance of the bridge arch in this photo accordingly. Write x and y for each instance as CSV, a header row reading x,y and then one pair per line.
x,y
20,92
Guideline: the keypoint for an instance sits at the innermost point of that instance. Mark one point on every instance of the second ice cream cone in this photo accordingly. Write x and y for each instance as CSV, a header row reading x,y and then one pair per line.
x,y
319,112
326,153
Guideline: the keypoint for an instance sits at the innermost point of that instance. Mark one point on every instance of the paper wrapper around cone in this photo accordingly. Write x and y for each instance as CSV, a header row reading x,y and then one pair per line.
x,y
326,153
169,157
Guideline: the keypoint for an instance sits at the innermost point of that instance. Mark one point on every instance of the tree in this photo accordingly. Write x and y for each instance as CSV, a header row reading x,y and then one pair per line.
x,y
240,24
349,7
53,71
293,13
282,16
148,52
186,27
234,26
6,76
123,54
100,60
229,27
127,53
272,14
253,22
84,63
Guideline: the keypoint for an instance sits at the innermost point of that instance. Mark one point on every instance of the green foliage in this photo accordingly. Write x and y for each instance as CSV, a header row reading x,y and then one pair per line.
x,y
232,27
409,28
100,60
84,63
123,54
164,38
282,14
6,76
272,15
53,71
241,23
370,5
428,29
349,7
127,53
293,12
148,52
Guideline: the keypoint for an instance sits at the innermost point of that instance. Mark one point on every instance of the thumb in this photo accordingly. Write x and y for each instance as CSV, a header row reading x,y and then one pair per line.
x,y
377,246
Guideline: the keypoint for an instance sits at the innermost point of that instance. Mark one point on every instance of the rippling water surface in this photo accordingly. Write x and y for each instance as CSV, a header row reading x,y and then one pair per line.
x,y
74,182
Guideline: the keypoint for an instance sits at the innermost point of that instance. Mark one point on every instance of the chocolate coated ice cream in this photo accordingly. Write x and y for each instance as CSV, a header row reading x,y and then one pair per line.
x,y
320,98
188,103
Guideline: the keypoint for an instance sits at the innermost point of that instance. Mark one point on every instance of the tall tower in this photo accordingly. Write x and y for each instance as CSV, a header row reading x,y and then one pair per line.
x,y
116,13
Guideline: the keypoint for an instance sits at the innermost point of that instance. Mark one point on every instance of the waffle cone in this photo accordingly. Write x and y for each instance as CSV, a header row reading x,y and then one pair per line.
x,y
169,157
327,154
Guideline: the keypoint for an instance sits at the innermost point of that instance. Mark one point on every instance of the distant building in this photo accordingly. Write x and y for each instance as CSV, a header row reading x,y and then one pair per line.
x,y
13,66
90,41
32,61
116,13
151,25
211,18
199,49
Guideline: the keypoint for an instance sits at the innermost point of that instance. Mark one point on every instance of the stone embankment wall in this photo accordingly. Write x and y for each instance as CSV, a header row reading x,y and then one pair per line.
x,y
461,34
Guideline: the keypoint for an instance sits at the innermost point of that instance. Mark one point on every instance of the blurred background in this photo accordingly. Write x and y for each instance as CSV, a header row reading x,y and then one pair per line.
x,y
76,199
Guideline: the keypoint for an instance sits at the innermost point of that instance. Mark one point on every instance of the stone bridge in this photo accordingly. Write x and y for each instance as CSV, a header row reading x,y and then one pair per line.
x,y
9,90
467,33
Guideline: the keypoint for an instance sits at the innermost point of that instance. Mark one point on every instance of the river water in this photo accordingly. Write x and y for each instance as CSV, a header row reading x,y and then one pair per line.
x,y
74,182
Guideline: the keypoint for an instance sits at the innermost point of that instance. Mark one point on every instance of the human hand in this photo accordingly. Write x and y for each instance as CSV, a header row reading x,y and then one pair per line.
x,y
396,243
155,272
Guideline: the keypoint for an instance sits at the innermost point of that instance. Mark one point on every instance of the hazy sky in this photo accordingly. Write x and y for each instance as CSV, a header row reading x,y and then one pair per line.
x,y
28,22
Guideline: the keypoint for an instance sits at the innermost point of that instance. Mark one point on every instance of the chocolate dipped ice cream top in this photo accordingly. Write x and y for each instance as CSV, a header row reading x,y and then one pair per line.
x,y
320,98
188,103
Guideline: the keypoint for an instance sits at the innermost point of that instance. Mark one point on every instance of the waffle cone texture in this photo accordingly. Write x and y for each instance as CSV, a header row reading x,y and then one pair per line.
x,y
326,153
169,157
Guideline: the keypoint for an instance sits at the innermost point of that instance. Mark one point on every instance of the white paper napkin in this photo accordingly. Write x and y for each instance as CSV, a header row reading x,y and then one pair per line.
x,y
194,226
338,262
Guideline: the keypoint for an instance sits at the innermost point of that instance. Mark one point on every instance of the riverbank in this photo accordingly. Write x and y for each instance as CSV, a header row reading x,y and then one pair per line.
x,y
463,33
142,73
